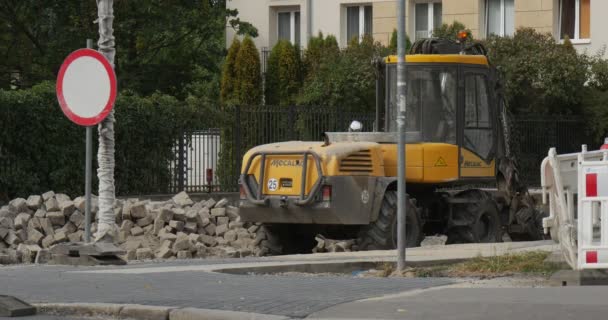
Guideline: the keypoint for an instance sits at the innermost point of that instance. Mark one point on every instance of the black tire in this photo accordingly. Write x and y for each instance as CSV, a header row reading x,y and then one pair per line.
x,y
484,222
382,233
277,239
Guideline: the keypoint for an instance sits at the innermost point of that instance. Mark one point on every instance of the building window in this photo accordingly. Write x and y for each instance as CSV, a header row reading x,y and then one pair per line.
x,y
428,18
575,19
358,21
289,26
500,17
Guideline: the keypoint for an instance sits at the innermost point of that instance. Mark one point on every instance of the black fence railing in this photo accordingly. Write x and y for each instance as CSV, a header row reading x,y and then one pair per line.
x,y
212,158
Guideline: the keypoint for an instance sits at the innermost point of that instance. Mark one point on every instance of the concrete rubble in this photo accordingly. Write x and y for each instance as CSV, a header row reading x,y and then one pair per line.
x,y
179,228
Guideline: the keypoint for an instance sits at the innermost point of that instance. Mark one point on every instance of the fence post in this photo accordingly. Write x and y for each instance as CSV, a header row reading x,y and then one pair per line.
x,y
237,142
181,166
291,122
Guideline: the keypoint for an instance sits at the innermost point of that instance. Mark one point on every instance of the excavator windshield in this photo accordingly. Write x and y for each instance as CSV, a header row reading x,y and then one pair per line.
x,y
431,102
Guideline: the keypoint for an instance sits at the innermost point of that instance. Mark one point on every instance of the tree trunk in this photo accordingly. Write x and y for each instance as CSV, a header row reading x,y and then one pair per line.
x,y
106,227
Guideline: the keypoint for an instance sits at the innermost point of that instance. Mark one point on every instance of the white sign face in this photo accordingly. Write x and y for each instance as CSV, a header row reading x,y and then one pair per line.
x,y
273,184
86,87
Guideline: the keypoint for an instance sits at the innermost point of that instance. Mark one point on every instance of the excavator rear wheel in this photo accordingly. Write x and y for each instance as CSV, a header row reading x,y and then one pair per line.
x,y
482,216
382,233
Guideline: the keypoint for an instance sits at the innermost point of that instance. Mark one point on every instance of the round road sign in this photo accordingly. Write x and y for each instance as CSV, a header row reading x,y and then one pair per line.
x,y
86,87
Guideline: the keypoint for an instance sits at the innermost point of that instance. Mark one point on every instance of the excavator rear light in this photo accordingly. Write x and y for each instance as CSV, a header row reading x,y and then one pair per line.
x,y
326,193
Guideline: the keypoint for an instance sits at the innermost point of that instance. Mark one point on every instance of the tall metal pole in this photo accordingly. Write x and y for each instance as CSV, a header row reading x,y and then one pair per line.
x,y
401,94
87,174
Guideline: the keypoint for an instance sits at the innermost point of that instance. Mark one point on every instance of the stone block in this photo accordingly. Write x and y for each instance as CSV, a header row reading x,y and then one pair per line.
x,y
67,207
230,235
144,254
164,251
184,254
176,225
235,225
194,238
7,222
137,231
191,215
190,227
77,218
159,224
222,203
221,241
51,205
69,228
61,237
208,240
167,236
35,236
139,210
76,236
18,205
218,212
126,225
165,214
3,233
47,195
21,220
210,203
47,226
56,218
182,199
28,252
43,256
12,239
131,255
80,204
179,214
34,202
222,221
62,197
232,213
145,221
148,229
181,244
210,229
40,213
126,211
48,241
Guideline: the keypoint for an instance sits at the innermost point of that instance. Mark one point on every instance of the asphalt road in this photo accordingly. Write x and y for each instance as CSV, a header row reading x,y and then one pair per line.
x,y
294,296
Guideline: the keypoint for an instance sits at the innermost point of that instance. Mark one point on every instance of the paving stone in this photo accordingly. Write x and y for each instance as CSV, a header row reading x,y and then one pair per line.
x,y
137,231
144,254
179,214
126,211
145,221
69,228
77,218
34,202
126,225
47,226
148,229
218,212
62,197
168,236
56,218
3,233
232,213
184,254
21,220
139,210
80,203
235,225
164,251
221,242
7,222
182,199
222,203
194,238
191,215
43,256
181,244
40,213
131,255
176,225
165,214
159,224
51,205
12,239
76,236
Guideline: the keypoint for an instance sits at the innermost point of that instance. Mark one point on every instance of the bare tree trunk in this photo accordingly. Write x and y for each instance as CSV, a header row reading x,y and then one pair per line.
x,y
106,227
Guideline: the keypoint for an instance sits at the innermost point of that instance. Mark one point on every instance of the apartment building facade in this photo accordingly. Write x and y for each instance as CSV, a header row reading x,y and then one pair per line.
x,y
298,20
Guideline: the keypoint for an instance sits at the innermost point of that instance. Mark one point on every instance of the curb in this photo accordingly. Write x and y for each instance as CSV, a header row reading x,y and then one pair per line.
x,y
145,312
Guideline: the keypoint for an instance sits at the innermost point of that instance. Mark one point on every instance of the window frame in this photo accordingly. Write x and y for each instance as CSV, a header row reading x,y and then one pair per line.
x,y
292,25
430,11
577,23
475,72
361,18
503,23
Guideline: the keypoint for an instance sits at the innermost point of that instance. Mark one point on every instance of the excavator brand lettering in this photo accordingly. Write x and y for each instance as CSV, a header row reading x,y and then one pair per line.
x,y
472,164
285,163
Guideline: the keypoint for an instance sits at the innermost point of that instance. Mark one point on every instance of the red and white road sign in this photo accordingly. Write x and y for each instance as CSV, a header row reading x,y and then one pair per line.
x,y
86,87
596,184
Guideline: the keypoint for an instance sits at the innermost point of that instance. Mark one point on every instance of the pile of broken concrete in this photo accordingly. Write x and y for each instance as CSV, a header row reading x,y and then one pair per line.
x,y
178,228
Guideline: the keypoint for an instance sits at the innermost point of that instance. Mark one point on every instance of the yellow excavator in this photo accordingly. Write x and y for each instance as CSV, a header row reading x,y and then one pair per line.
x,y
457,137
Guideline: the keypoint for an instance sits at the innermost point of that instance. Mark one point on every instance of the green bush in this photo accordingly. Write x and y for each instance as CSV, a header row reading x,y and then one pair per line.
x,y
450,31
41,150
541,76
392,46
319,49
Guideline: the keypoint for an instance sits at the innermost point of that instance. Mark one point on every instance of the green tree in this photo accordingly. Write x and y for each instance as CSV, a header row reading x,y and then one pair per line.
x,y
319,49
229,78
248,74
392,46
450,31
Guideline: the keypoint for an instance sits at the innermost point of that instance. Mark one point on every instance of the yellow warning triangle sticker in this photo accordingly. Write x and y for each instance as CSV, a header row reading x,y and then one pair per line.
x,y
440,163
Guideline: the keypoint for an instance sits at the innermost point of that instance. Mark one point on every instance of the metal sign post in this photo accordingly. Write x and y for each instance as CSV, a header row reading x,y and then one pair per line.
x,y
401,95
87,174
86,91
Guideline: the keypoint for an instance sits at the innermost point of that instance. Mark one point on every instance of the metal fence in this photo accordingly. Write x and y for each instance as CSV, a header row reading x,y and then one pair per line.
x,y
209,160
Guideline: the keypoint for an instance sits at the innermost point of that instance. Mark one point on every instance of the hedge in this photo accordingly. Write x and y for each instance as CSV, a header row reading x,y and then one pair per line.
x,y
41,150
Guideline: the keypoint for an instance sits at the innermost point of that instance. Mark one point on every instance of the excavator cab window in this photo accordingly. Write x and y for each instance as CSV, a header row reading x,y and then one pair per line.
x,y
431,103
478,131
